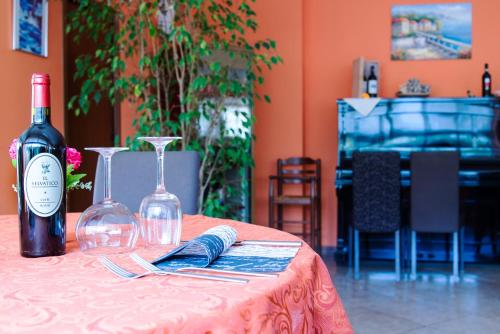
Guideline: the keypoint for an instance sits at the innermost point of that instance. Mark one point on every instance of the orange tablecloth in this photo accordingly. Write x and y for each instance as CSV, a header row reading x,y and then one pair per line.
x,y
74,293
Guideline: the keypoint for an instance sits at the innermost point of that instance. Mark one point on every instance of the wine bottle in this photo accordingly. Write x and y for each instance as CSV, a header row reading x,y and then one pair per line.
x,y
41,179
486,81
372,84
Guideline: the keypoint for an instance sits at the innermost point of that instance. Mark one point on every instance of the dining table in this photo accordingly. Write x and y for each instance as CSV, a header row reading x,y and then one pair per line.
x,y
75,293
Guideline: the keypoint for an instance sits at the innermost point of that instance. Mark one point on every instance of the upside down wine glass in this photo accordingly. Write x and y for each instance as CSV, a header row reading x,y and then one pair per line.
x,y
160,212
107,227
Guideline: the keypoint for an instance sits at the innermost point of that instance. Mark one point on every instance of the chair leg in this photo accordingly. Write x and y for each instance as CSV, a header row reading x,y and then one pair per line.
x,y
280,217
397,251
413,255
462,251
271,213
455,255
407,249
312,227
318,220
350,246
356,254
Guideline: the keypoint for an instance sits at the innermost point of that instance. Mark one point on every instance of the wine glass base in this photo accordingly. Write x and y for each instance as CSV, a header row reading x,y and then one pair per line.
x,y
109,250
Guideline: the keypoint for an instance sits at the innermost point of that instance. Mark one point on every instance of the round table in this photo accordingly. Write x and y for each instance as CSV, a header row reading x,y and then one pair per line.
x,y
74,293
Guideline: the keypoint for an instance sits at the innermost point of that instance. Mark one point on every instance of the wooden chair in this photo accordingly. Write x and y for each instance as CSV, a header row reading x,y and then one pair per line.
x,y
305,172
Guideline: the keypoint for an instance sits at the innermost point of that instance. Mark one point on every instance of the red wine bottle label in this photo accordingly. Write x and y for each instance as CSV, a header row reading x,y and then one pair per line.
x,y
43,184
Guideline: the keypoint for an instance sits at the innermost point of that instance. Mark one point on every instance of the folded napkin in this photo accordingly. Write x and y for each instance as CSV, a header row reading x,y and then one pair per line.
x,y
215,249
363,106
204,248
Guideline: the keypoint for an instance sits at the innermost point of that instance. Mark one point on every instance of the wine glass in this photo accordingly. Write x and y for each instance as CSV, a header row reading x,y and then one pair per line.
x,y
160,212
107,227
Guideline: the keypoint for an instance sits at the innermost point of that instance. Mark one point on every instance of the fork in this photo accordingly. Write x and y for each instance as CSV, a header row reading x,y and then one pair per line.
x,y
148,266
114,268
123,273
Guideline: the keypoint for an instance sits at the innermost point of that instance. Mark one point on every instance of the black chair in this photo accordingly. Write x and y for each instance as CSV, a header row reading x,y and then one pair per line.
x,y
134,176
434,199
306,173
376,199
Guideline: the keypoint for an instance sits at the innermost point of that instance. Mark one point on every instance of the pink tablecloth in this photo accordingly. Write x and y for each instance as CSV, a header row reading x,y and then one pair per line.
x,y
74,293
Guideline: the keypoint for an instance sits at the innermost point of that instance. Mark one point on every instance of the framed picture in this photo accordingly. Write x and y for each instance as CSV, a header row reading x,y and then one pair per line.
x,y
437,31
30,25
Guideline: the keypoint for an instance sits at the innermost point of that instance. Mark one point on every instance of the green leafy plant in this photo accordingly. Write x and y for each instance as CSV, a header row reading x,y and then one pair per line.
x,y
189,67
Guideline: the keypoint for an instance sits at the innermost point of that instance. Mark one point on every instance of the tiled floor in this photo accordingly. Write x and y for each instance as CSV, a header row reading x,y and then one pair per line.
x,y
432,304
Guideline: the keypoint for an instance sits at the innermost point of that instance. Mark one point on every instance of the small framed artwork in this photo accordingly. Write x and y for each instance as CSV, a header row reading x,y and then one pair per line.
x,y
435,31
30,25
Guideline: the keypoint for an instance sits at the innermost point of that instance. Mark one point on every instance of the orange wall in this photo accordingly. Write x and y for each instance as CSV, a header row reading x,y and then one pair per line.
x,y
15,89
318,43
279,126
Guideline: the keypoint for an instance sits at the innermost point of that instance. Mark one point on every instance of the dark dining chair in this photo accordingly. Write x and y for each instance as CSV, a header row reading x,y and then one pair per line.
x,y
133,176
434,200
376,193
305,173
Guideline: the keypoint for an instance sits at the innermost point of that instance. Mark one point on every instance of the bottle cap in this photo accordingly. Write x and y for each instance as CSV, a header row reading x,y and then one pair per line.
x,y
40,79
40,91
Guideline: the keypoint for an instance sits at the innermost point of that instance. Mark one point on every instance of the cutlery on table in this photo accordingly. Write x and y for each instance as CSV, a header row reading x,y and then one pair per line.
x,y
276,243
148,266
117,270
232,272
114,268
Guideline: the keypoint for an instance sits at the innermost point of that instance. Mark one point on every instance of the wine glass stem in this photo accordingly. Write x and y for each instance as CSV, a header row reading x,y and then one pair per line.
x,y
107,178
160,154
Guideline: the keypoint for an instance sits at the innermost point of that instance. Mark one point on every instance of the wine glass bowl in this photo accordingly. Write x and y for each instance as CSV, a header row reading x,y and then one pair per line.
x,y
160,212
160,223
107,227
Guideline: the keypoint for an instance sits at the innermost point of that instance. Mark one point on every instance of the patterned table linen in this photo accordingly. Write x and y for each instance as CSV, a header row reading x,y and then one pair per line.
x,y
74,293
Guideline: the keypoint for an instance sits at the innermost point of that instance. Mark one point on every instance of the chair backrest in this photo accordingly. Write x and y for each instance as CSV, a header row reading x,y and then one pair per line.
x,y
133,176
291,171
434,192
376,191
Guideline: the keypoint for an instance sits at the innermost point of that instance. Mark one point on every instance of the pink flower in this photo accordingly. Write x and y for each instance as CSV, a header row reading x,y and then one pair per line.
x,y
73,157
13,149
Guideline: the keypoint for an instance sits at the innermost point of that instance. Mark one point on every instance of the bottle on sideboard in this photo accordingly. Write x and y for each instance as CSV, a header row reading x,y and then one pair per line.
x,y
41,179
486,81
372,83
